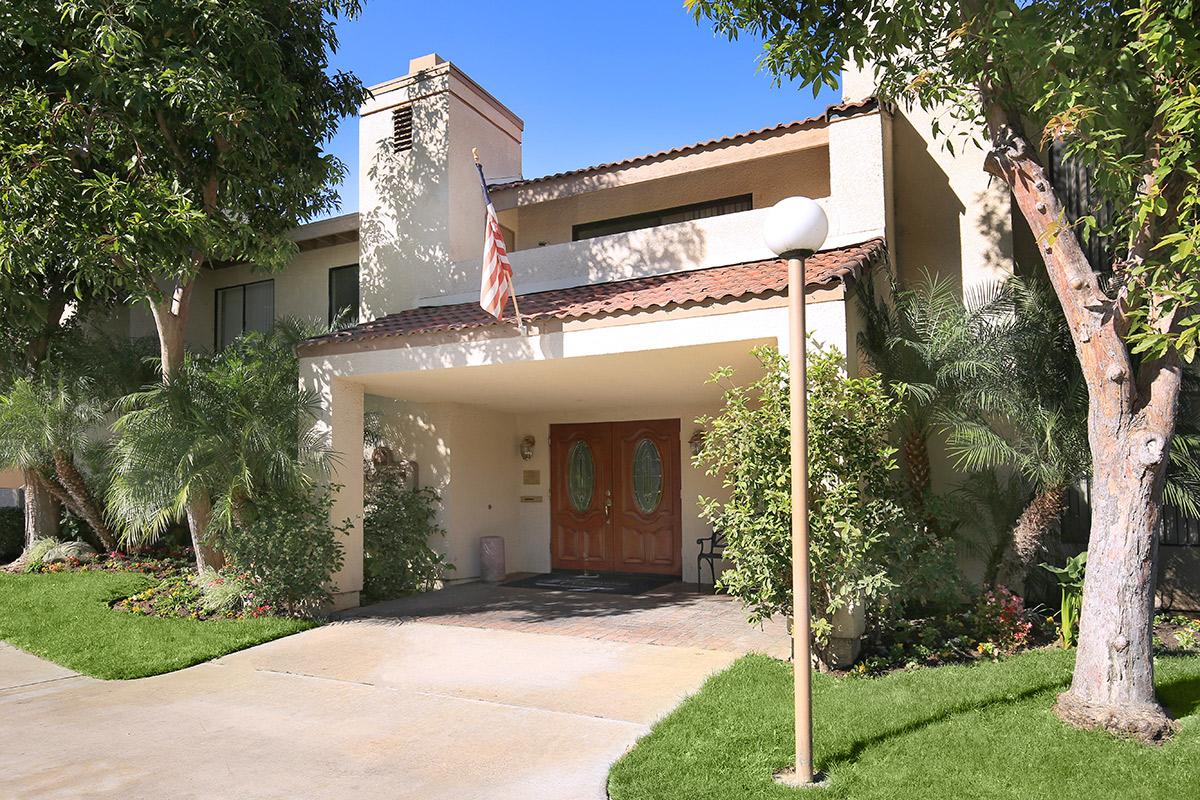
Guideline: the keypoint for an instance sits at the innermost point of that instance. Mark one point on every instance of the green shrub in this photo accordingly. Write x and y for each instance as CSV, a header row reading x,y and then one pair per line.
x,y
289,550
12,533
865,545
398,525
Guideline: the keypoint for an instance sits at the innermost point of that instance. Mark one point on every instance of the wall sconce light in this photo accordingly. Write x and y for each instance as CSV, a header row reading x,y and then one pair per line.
x,y
697,441
527,443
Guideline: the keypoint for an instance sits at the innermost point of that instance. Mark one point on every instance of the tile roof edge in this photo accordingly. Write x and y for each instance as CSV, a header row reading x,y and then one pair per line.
x,y
835,111
860,263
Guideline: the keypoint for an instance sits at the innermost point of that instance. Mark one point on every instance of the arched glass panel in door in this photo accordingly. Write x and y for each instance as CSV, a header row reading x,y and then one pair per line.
x,y
581,476
647,476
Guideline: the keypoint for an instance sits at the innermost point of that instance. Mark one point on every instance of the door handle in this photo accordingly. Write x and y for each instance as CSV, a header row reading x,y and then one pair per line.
x,y
608,509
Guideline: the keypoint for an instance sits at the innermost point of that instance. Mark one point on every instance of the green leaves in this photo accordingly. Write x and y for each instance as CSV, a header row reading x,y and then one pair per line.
x,y
139,138
234,426
1115,82
861,536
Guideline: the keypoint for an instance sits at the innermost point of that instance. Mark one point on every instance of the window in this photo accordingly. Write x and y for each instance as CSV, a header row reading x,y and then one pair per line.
x,y
581,476
402,129
711,208
249,307
343,296
647,476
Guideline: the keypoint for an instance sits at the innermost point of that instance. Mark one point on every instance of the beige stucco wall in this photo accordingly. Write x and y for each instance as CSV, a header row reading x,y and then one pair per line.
x,y
949,215
422,209
11,479
768,180
301,290
467,454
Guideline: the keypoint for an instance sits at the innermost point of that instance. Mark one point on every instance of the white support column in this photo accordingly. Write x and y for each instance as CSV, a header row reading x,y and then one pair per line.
x,y
340,424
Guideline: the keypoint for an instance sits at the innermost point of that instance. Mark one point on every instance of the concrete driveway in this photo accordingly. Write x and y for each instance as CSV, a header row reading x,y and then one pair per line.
x,y
353,710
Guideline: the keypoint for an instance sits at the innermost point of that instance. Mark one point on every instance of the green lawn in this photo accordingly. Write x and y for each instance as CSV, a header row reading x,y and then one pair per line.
x,y
65,617
983,731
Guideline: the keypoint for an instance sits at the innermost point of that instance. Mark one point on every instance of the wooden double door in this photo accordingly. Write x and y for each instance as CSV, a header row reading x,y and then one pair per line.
x,y
614,497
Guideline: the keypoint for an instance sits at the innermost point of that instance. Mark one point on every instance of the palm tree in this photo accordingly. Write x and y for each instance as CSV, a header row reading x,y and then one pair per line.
x,y
52,420
227,430
44,425
994,373
911,341
1026,409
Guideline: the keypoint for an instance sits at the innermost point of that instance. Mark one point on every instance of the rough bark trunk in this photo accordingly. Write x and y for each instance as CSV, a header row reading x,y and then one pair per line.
x,y
1113,684
170,318
1031,534
42,510
84,505
1131,422
199,514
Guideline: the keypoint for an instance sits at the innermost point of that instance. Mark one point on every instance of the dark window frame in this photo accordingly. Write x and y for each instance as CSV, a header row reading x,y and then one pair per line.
x,y
217,307
646,219
332,311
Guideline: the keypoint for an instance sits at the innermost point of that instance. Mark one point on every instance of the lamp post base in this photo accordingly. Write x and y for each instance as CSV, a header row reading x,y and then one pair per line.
x,y
787,777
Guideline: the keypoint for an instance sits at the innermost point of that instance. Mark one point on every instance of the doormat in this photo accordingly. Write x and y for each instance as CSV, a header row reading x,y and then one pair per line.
x,y
597,584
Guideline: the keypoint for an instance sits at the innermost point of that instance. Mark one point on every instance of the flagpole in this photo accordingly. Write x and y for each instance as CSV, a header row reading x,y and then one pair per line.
x,y
512,288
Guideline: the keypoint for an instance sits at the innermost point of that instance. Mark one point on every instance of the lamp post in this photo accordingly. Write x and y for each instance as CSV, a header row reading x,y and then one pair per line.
x,y
794,229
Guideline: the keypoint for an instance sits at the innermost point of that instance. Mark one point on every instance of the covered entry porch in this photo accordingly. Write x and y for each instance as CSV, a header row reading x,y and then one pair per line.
x,y
494,418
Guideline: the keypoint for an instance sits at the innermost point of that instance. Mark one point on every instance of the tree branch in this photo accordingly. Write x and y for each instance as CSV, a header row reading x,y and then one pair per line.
x,y
172,144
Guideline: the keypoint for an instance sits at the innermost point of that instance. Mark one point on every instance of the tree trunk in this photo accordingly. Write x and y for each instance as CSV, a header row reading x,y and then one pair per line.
x,y
75,485
42,510
1031,534
199,514
1113,684
1131,421
170,319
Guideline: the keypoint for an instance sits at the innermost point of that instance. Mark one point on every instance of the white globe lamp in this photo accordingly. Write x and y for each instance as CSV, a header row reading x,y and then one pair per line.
x,y
795,227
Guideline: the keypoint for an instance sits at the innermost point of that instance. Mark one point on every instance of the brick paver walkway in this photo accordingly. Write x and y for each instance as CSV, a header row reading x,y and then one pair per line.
x,y
675,615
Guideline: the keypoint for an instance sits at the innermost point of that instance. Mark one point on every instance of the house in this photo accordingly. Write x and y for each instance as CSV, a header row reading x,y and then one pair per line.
x,y
637,278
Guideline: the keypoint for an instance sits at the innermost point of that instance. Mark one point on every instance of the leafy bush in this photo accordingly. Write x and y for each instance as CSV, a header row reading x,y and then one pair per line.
x,y
996,624
12,533
864,544
225,593
289,550
398,524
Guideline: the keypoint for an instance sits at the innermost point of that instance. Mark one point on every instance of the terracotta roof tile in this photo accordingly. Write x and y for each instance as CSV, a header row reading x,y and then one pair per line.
x,y
823,270
832,112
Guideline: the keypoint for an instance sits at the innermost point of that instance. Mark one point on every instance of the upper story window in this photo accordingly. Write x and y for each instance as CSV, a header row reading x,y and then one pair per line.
x,y
343,296
402,129
652,219
248,307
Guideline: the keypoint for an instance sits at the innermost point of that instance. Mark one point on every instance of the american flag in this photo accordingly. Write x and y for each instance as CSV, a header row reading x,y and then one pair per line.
x,y
497,272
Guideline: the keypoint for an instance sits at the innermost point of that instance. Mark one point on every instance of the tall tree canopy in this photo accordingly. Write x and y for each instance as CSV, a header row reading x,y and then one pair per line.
x,y
1115,84
147,140
168,135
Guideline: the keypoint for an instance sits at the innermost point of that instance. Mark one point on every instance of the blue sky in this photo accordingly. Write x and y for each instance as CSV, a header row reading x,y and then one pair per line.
x,y
593,82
